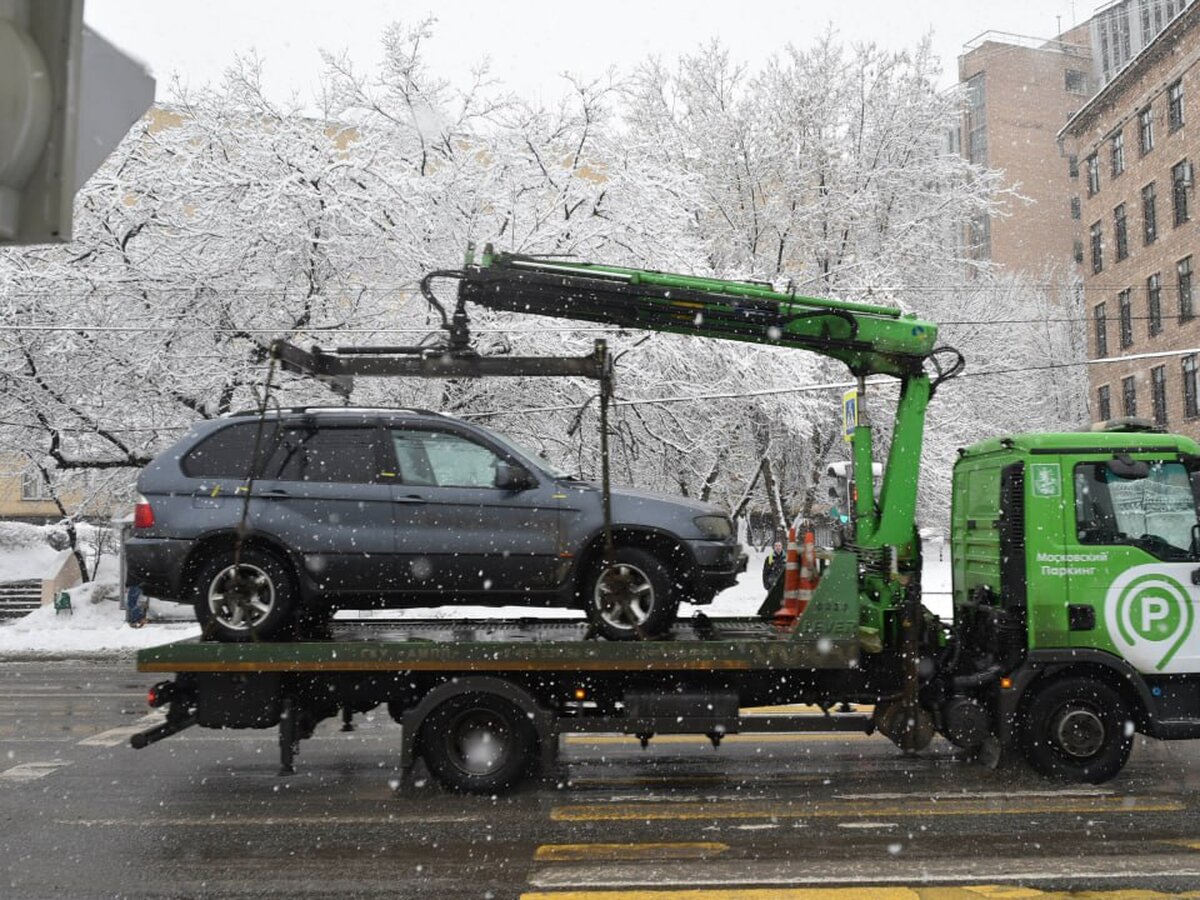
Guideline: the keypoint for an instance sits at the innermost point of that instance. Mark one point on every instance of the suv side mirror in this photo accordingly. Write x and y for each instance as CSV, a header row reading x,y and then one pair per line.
x,y
513,478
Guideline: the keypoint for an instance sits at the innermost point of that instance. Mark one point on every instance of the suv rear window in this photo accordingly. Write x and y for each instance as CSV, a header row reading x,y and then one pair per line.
x,y
229,452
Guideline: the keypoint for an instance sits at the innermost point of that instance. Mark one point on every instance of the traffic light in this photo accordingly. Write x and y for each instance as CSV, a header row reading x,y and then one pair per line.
x,y
67,97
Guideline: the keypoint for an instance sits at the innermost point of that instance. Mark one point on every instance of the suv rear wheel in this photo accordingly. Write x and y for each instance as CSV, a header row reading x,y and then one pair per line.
x,y
254,599
630,599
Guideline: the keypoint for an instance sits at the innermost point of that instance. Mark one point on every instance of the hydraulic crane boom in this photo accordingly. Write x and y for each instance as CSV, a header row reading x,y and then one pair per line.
x,y
870,339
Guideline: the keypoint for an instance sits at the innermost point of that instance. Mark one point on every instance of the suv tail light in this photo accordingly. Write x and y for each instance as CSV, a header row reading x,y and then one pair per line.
x,y
143,514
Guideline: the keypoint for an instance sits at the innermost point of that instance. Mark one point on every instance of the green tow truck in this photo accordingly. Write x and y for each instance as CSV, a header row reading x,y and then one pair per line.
x,y
1076,565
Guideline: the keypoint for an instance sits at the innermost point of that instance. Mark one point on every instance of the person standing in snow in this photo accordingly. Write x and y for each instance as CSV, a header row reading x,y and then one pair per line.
x,y
773,565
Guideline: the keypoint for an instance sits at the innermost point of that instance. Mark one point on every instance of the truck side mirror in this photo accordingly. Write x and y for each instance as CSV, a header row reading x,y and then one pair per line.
x,y
513,478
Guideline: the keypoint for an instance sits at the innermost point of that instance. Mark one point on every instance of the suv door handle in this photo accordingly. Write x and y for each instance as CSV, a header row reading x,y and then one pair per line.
x,y
274,492
409,498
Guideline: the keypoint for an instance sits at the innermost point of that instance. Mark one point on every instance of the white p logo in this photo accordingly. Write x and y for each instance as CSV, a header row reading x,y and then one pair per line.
x,y
1154,609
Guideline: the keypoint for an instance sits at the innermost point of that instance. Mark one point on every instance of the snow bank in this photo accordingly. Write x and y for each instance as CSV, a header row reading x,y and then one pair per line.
x,y
91,627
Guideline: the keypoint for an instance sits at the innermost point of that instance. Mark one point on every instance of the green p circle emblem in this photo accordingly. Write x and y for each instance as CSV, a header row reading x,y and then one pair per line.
x,y
1155,611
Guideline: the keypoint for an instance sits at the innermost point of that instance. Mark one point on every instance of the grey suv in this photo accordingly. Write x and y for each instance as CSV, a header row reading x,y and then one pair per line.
x,y
391,508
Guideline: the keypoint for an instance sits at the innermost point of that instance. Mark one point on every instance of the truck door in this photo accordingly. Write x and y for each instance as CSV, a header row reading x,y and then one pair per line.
x,y
1131,563
458,533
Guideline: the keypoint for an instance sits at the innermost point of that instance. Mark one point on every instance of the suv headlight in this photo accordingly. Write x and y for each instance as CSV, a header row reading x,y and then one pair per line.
x,y
715,528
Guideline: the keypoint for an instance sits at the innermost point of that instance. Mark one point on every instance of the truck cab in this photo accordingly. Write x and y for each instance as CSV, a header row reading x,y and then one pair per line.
x,y
1078,554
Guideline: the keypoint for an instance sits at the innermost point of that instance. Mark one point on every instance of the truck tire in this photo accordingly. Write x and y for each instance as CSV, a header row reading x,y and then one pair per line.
x,y
256,600
631,599
1078,729
478,743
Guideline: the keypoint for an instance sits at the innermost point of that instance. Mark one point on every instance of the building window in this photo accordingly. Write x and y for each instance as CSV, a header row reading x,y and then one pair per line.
x,y
1149,214
976,120
1154,303
1183,270
1120,232
1181,181
1158,386
1145,131
1101,331
1125,311
980,236
1175,106
33,486
1103,403
1076,209
1073,166
1097,241
1092,164
1077,250
1075,81
1190,409
1117,145
1128,396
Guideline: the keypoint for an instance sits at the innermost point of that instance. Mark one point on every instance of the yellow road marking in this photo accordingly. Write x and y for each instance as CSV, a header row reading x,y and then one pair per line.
x,y
798,709
1191,845
679,850
628,812
729,738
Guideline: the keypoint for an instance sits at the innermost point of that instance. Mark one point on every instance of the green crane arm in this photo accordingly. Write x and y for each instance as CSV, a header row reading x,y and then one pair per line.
x,y
869,339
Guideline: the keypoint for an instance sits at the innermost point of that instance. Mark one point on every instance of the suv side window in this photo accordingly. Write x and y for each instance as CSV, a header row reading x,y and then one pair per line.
x,y
442,459
228,452
341,455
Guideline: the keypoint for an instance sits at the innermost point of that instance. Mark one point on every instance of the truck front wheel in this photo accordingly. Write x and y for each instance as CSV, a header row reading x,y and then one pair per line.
x,y
478,743
1078,729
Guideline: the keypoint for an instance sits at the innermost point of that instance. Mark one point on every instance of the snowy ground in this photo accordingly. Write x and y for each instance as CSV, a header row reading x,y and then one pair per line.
x,y
99,627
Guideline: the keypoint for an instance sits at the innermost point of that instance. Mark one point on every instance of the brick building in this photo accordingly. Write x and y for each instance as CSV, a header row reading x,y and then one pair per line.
x,y
1019,91
1136,142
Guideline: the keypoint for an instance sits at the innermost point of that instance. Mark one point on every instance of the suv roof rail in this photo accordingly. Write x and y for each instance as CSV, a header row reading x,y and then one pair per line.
x,y
302,410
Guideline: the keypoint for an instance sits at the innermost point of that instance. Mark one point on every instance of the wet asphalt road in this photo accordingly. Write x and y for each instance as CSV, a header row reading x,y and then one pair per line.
x,y
205,814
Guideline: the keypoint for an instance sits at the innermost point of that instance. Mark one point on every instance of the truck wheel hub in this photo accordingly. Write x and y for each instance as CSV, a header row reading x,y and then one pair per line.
x,y
478,743
1080,733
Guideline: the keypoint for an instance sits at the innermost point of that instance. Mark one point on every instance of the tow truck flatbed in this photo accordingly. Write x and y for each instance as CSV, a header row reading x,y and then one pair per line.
x,y
517,645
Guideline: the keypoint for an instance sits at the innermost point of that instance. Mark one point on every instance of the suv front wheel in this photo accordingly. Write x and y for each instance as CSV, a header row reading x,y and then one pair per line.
x,y
630,599
252,599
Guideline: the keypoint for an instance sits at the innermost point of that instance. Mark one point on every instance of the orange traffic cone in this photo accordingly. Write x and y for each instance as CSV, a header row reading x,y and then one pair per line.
x,y
808,573
789,608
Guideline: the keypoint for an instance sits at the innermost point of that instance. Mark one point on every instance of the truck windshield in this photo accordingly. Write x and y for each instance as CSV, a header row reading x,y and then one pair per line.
x,y
1155,511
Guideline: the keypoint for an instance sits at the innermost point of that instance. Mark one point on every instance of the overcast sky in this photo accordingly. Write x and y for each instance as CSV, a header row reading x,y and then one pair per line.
x,y
531,42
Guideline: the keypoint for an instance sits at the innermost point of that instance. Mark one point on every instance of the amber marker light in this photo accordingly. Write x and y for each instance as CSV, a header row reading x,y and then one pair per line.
x,y
1005,683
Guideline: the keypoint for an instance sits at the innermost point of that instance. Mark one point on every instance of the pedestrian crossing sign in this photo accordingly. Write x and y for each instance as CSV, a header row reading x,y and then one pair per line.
x,y
849,414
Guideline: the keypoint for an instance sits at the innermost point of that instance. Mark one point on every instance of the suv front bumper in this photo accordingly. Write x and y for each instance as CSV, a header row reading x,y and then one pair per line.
x,y
718,565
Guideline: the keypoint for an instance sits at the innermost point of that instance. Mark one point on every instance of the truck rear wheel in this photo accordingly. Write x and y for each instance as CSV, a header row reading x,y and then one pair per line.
x,y
255,599
1078,729
630,599
478,743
